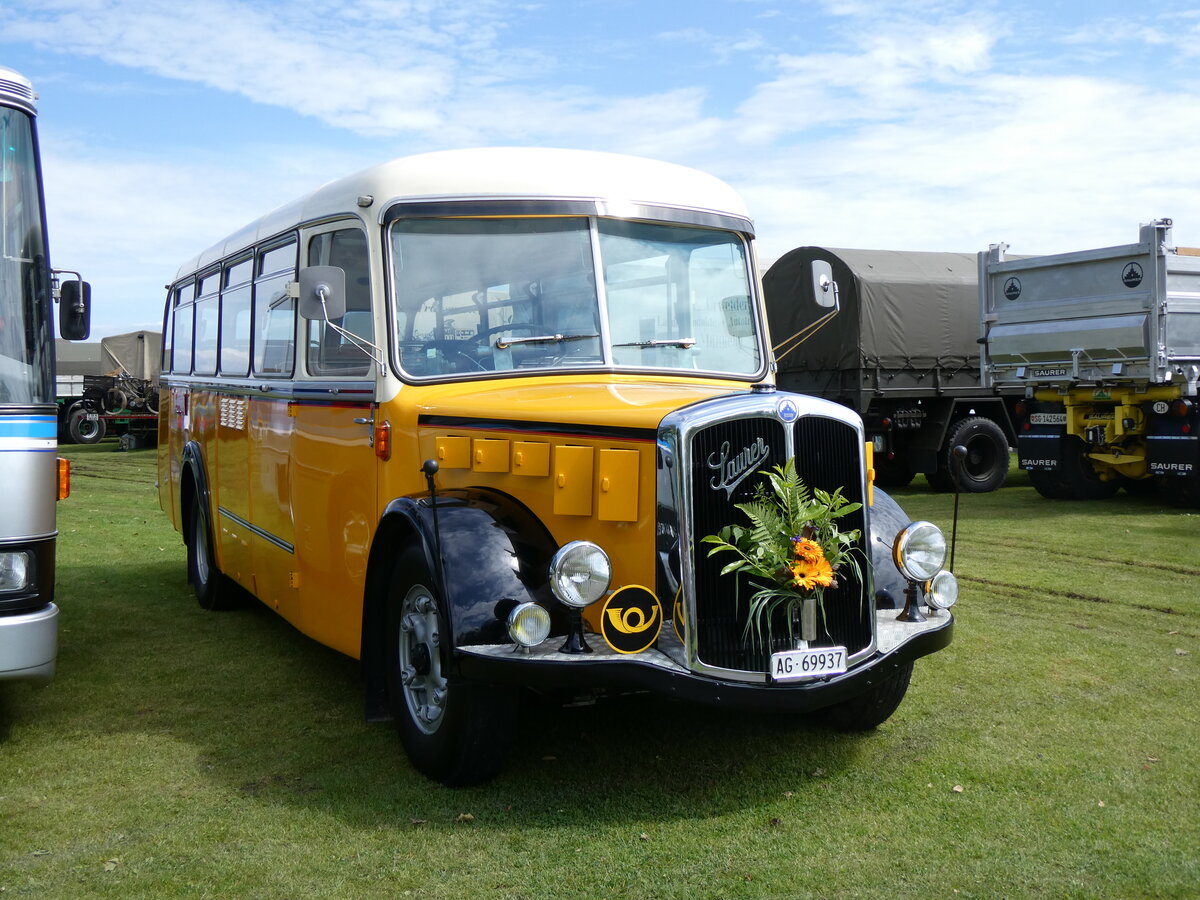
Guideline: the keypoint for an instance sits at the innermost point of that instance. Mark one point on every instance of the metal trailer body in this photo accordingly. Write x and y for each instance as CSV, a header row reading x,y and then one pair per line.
x,y
1104,345
902,350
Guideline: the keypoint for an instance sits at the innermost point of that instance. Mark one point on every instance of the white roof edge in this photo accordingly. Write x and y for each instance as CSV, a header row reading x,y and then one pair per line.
x,y
502,173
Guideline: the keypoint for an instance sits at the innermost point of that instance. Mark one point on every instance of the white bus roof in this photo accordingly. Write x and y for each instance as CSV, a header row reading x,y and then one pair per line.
x,y
612,180
17,90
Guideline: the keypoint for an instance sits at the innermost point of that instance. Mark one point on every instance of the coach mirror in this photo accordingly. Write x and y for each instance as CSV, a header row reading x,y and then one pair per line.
x,y
322,293
75,310
825,289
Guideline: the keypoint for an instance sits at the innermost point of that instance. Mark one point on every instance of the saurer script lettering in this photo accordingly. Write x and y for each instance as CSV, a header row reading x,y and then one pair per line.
x,y
732,470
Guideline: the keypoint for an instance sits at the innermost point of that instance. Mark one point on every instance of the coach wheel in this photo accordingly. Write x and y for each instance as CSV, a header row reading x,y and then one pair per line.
x,y
83,430
454,731
870,709
212,590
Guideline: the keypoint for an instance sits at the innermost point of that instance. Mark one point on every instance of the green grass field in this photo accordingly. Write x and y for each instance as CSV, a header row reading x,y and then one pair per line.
x,y
1051,750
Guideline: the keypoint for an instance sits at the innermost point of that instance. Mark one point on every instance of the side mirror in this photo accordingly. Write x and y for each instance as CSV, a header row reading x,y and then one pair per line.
x,y
322,293
75,310
825,289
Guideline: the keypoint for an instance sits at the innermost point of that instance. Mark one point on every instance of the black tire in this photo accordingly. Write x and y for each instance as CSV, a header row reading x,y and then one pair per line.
x,y
1049,485
152,400
986,464
1079,478
892,473
454,731
213,590
1181,491
83,430
873,708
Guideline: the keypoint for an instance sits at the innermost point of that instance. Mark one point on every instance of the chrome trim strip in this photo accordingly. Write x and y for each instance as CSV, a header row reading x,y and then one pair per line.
x,y
254,529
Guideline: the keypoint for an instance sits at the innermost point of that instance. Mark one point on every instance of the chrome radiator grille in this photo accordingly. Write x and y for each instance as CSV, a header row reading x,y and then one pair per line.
x,y
710,459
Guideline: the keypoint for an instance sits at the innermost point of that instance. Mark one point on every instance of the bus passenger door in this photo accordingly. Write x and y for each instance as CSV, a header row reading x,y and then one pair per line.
x,y
334,464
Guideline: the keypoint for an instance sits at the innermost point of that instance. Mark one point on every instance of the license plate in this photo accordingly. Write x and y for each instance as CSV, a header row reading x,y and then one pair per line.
x,y
791,665
92,417
1048,419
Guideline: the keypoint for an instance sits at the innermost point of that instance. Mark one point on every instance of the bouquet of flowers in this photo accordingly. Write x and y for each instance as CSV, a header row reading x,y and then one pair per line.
x,y
793,549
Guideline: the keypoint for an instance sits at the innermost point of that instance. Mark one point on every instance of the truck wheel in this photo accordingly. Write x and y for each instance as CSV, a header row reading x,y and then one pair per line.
x,y
868,710
212,590
453,731
1183,491
986,464
892,473
1049,485
83,430
1079,476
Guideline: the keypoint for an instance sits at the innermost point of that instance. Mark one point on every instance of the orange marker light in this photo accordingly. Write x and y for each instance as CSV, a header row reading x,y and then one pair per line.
x,y
383,440
64,478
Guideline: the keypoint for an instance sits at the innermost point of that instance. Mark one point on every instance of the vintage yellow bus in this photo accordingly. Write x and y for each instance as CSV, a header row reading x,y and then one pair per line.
x,y
468,416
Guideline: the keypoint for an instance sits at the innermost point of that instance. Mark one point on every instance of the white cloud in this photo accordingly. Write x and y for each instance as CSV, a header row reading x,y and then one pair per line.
x,y
921,126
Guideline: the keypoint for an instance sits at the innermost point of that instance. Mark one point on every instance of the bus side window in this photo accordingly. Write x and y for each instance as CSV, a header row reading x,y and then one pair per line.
x,y
329,353
275,311
235,320
208,310
182,338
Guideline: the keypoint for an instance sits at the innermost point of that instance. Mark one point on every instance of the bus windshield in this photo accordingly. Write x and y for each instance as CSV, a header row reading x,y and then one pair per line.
x,y
25,375
477,295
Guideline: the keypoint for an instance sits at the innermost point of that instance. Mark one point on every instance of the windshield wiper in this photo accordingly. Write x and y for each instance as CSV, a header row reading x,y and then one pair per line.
x,y
685,343
542,339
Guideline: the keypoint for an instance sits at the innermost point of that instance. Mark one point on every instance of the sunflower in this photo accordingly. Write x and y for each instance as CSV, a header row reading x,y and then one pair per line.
x,y
807,550
810,573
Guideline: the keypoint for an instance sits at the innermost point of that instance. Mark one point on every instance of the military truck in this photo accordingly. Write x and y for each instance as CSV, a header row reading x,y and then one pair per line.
x,y
894,335
1104,346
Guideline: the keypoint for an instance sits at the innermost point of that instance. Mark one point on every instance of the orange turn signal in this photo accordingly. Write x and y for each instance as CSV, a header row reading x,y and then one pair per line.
x,y
64,478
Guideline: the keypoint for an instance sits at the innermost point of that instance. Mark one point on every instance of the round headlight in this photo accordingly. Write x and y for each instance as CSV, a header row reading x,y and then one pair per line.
x,y
919,551
528,624
942,590
580,573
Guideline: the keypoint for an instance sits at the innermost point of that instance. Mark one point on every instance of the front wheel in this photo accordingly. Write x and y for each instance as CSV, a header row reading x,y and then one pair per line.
x,y
874,707
212,590
454,731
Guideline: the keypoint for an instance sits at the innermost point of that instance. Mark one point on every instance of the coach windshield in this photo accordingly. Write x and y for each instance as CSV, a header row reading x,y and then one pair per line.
x,y
482,295
25,375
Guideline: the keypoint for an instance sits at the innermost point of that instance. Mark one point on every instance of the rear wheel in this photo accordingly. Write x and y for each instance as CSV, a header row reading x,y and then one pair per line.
x,y
84,430
1079,476
985,466
1049,485
454,731
870,709
892,473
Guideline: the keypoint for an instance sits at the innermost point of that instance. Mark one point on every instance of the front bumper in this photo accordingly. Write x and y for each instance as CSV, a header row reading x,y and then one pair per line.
x,y
29,644
661,669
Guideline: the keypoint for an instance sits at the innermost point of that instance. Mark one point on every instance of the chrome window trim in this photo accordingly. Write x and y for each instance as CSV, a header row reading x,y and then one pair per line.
x,y
675,437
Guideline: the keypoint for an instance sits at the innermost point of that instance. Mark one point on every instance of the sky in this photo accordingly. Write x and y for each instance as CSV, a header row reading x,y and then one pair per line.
x,y
906,125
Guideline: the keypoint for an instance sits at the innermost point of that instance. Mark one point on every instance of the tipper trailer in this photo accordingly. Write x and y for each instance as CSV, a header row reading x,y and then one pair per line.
x,y
1104,346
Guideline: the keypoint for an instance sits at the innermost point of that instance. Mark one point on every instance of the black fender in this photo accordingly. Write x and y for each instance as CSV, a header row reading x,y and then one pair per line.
x,y
887,519
487,553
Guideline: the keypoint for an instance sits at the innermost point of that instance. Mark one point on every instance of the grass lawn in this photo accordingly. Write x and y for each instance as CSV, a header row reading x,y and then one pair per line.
x,y
1051,750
